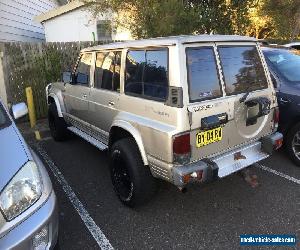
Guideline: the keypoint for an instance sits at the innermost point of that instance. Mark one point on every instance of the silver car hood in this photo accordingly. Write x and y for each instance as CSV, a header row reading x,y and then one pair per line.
x,y
13,154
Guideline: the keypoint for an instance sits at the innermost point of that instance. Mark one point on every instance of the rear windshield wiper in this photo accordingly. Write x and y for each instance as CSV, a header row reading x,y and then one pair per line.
x,y
244,97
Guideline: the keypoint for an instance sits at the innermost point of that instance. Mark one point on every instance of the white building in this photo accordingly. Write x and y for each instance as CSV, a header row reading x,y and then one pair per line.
x,y
16,19
73,22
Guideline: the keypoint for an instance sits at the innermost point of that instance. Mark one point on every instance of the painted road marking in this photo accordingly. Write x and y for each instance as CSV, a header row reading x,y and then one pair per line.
x,y
96,232
290,178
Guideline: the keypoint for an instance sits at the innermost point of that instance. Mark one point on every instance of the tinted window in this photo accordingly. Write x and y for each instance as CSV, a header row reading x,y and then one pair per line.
x,y
286,63
242,69
98,69
107,70
116,79
147,73
135,63
296,47
82,73
202,74
156,74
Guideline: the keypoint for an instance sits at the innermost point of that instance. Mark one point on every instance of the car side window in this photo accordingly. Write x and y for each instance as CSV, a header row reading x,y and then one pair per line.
x,y
82,72
296,47
147,74
107,70
116,79
98,69
203,75
135,63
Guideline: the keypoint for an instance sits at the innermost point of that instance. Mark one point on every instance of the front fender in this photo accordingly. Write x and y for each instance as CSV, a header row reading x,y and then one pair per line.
x,y
135,134
57,103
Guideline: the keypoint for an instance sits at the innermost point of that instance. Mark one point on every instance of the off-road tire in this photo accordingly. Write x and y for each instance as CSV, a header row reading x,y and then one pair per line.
x,y
289,143
141,185
57,125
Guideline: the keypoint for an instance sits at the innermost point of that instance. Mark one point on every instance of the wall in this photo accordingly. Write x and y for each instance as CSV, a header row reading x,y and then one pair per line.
x,y
16,19
77,25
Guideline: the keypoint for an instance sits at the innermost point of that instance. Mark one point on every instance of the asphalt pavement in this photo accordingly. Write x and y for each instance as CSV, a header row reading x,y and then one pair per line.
x,y
211,216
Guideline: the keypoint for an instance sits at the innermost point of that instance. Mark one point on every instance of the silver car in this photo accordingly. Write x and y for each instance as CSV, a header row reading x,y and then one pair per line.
x,y
28,207
183,109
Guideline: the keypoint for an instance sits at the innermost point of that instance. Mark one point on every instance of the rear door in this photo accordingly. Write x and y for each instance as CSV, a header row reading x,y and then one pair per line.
x,y
207,101
243,72
104,97
218,115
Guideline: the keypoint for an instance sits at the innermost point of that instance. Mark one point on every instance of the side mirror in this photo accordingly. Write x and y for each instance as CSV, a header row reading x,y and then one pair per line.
x,y
67,77
82,78
19,110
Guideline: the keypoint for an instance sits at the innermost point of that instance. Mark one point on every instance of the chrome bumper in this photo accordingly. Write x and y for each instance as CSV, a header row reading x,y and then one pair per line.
x,y
207,170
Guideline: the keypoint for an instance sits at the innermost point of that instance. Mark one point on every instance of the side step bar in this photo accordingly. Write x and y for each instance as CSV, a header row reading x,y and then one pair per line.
x,y
88,138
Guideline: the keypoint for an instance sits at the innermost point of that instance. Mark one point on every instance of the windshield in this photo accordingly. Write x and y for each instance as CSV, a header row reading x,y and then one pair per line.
x,y
4,121
286,63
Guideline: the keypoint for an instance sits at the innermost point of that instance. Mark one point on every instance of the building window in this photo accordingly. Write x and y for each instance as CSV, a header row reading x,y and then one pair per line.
x,y
104,30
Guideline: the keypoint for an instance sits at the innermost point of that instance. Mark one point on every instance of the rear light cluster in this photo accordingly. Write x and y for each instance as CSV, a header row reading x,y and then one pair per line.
x,y
276,118
194,176
278,143
182,148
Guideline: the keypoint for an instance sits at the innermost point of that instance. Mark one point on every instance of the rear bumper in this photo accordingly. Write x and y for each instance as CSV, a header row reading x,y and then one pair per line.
x,y
207,170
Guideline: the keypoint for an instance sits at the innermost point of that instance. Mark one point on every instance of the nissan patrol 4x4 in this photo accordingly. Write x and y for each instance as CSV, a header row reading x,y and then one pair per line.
x,y
183,109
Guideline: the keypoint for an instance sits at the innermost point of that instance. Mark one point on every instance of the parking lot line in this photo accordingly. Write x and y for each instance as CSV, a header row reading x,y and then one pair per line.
x,y
290,178
96,232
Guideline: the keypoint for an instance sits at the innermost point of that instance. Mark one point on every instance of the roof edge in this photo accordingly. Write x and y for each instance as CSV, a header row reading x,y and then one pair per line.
x,y
58,11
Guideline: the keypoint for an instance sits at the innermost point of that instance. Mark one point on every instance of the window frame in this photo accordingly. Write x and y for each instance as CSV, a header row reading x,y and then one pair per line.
x,y
217,69
121,72
145,49
91,69
222,68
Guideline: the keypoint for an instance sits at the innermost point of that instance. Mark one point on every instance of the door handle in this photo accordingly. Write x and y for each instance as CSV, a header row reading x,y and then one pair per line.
x,y
84,96
111,103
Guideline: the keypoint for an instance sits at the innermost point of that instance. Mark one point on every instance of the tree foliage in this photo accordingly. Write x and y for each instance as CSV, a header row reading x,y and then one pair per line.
x,y
152,18
285,16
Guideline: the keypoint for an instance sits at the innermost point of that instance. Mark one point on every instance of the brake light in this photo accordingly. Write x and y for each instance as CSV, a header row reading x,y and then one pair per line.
x,y
276,118
182,148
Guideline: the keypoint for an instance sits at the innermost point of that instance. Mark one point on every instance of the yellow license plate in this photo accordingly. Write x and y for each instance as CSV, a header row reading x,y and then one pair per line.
x,y
209,136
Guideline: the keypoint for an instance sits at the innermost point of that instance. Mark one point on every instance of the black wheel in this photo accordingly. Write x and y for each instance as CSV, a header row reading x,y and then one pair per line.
x,y
57,125
293,144
132,181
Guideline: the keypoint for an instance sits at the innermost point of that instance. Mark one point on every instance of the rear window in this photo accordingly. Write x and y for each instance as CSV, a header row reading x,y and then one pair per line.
x,y
242,69
202,74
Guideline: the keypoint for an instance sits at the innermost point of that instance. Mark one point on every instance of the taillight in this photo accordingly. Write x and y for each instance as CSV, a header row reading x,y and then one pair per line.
x,y
182,148
276,118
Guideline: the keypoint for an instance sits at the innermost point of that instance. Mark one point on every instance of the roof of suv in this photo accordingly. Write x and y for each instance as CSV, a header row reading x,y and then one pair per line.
x,y
172,40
